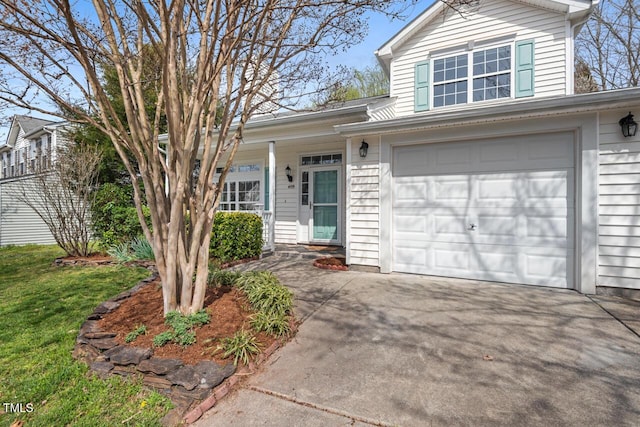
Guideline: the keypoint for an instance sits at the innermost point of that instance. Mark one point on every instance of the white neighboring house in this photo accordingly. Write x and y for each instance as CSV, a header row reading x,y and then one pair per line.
x,y
31,144
480,164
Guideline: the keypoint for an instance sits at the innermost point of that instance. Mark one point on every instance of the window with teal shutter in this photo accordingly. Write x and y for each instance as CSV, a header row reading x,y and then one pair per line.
x,y
422,86
525,76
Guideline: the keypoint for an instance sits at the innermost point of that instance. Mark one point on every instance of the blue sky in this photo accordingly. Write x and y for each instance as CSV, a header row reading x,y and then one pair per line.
x,y
381,29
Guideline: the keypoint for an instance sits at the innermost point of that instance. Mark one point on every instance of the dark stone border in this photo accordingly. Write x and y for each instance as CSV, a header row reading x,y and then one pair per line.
x,y
88,262
193,389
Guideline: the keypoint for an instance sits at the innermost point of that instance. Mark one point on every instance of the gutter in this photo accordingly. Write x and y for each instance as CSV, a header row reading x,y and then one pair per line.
x,y
518,109
359,110
303,118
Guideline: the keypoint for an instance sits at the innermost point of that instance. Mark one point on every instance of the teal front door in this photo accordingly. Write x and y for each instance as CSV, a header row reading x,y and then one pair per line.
x,y
325,200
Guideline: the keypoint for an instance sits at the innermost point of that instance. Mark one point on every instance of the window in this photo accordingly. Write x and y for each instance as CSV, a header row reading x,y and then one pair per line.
x,y
240,196
450,80
489,76
492,73
242,189
304,191
325,159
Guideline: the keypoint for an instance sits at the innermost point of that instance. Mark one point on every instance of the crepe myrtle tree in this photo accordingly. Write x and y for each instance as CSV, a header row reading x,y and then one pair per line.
x,y
236,54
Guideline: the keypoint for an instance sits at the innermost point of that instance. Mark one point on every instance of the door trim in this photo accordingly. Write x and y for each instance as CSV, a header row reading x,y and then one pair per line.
x,y
309,227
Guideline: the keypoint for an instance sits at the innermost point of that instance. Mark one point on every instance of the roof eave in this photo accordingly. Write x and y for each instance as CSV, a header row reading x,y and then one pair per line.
x,y
357,111
508,111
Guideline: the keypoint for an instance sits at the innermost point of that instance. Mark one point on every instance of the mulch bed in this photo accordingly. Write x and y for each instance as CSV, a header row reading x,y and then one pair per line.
x,y
331,263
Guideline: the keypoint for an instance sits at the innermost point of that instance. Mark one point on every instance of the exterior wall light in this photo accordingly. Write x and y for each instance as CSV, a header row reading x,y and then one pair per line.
x,y
287,171
364,147
628,125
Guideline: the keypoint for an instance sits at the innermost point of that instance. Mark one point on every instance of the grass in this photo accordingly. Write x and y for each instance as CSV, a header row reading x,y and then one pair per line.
x,y
42,309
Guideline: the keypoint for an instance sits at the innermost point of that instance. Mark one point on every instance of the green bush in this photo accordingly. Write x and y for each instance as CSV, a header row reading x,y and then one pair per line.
x,y
136,250
265,293
272,302
142,249
131,336
242,346
236,235
182,326
271,323
120,252
114,217
222,277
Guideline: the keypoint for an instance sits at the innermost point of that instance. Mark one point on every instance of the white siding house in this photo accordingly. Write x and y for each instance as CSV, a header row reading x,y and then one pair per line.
x,y
31,144
481,162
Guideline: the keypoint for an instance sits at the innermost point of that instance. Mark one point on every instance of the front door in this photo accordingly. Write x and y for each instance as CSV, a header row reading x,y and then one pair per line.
x,y
320,206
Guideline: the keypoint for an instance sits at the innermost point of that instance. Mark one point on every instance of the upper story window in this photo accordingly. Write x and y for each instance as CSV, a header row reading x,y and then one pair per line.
x,y
487,73
492,73
490,77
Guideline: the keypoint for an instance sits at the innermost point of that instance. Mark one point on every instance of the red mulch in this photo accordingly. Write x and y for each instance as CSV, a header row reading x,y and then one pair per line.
x,y
227,306
331,263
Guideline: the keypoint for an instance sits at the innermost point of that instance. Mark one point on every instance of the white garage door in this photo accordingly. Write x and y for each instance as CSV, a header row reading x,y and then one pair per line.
x,y
499,210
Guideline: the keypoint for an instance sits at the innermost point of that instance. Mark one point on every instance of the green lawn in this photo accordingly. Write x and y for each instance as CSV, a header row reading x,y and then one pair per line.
x,y
41,310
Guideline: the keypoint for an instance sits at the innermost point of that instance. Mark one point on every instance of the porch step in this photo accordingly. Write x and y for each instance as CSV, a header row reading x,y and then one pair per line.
x,y
305,252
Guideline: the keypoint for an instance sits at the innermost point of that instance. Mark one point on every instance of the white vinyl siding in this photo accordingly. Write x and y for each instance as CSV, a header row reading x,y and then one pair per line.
x,y
364,204
287,193
19,224
504,18
619,204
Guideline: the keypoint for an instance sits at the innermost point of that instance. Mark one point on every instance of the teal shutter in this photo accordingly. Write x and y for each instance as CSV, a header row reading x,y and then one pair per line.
x,y
266,188
525,76
422,86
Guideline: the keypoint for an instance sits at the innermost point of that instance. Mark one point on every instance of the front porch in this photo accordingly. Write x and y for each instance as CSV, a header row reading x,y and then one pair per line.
x,y
306,251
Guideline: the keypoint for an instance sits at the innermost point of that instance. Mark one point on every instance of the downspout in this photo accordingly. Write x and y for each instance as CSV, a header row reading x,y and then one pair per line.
x,y
272,195
166,175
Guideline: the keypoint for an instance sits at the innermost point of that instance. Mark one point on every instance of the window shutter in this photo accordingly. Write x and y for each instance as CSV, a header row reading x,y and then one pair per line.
x,y
266,189
422,86
525,76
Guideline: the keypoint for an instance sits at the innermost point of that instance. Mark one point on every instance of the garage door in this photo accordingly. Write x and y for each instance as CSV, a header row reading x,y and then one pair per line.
x,y
499,210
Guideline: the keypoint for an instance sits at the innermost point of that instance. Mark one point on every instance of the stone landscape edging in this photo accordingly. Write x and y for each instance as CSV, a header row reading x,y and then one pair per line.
x,y
104,357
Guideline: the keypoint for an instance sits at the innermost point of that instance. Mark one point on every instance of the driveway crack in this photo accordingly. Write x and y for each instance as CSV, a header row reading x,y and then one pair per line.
x,y
633,331
332,411
322,304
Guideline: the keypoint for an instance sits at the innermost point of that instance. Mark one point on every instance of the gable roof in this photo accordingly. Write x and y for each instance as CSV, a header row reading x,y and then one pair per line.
x,y
576,10
27,124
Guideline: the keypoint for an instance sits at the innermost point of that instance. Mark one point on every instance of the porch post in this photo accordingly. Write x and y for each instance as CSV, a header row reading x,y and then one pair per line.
x,y
347,246
272,194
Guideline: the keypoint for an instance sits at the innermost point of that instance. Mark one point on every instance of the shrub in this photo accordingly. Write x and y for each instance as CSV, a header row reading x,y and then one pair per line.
x,y
137,249
120,252
131,336
265,293
236,235
113,215
242,345
162,338
222,277
142,249
273,324
182,328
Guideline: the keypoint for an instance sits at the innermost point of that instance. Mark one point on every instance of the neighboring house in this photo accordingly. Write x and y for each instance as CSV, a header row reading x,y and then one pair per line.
x,y
481,164
31,145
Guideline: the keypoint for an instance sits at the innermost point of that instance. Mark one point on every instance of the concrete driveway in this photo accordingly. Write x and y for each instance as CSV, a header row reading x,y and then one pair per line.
x,y
408,350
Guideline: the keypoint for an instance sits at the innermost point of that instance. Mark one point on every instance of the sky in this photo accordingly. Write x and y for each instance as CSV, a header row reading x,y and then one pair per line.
x,y
360,56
